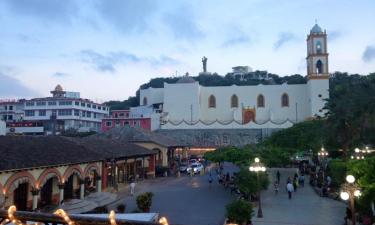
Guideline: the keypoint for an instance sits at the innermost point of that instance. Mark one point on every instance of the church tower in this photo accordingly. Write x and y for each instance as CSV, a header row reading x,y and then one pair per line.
x,y
317,70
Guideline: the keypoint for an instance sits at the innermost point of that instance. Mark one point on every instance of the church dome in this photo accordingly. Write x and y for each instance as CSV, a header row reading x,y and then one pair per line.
x,y
185,80
58,88
316,29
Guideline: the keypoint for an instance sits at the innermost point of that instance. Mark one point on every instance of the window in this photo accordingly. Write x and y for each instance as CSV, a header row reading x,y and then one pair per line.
x,y
88,114
51,103
212,102
285,100
121,115
108,123
29,112
65,112
10,108
6,107
260,101
76,112
99,107
144,101
94,115
126,123
83,104
83,113
94,106
103,108
88,105
42,112
234,101
65,103
319,67
29,103
76,103
10,117
318,47
116,115
40,103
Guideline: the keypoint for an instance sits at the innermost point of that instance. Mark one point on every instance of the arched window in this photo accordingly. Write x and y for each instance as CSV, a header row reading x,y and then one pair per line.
x,y
212,102
260,101
319,67
144,101
234,101
285,100
318,47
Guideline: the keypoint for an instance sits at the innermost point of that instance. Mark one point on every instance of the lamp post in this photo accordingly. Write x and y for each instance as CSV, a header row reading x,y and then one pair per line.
x,y
322,154
359,154
257,167
349,191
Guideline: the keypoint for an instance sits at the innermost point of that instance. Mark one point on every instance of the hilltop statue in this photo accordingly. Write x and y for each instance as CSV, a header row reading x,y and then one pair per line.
x,y
204,61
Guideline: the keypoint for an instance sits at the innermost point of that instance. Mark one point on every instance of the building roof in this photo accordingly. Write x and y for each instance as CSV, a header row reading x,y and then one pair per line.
x,y
58,88
185,80
316,29
131,134
22,152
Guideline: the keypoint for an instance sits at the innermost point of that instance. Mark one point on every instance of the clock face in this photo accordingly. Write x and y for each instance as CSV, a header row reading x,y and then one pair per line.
x,y
318,46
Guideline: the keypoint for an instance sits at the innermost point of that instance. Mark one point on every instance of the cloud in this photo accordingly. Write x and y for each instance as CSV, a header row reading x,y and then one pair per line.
x,y
182,23
333,35
369,54
283,38
60,74
11,87
51,10
127,16
241,39
107,62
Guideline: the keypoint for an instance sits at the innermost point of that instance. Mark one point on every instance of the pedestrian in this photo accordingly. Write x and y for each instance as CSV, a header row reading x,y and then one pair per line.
x,y
219,179
210,180
132,187
302,180
295,184
276,186
290,189
278,176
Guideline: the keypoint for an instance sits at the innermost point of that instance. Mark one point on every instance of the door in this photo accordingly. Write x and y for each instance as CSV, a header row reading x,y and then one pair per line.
x,y
46,193
248,115
20,196
68,189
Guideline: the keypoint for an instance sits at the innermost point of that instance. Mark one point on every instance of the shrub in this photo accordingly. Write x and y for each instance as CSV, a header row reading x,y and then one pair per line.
x,y
239,211
144,201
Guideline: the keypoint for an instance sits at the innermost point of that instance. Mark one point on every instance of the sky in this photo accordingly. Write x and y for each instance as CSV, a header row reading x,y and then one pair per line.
x,y
106,49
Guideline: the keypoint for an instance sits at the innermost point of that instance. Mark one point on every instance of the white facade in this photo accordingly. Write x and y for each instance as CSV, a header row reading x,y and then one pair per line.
x,y
186,104
2,128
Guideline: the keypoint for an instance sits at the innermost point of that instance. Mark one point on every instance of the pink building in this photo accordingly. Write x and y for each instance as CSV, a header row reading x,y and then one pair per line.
x,y
123,118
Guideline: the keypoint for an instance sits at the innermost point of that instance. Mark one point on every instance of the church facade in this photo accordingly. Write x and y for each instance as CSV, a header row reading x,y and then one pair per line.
x,y
189,105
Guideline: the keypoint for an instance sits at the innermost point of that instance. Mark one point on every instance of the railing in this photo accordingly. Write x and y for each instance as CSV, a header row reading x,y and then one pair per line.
x,y
48,218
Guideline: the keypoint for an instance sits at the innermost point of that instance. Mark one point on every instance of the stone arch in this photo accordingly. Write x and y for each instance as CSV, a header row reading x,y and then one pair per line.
x,y
319,66
18,178
47,174
71,170
90,167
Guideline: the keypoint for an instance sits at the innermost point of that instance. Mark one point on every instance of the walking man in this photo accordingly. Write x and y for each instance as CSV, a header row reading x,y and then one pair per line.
x,y
278,176
290,189
132,187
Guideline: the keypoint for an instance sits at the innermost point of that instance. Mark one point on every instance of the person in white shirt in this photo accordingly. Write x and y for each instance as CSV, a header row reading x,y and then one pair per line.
x,y
132,187
290,189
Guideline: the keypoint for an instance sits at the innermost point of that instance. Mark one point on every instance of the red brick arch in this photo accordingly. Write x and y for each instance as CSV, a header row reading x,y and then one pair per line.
x,y
12,184
90,167
47,174
71,170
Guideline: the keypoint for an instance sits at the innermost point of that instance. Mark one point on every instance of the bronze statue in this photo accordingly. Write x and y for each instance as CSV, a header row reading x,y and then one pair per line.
x,y
204,61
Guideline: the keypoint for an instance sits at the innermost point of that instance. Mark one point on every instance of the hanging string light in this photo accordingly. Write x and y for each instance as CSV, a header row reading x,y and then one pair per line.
x,y
112,217
11,218
64,215
163,221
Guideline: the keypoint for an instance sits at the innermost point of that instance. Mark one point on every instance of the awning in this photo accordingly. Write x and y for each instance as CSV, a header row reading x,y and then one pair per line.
x,y
101,198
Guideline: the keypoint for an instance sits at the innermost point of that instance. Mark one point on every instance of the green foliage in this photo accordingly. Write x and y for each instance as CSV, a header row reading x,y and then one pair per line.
x,y
144,201
126,104
239,211
337,170
247,182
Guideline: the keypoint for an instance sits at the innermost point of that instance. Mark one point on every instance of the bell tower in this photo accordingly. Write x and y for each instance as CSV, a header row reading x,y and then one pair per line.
x,y
317,55
317,70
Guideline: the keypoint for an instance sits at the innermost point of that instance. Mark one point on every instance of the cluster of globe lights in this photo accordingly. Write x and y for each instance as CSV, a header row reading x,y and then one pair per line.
x,y
322,152
345,194
257,166
360,154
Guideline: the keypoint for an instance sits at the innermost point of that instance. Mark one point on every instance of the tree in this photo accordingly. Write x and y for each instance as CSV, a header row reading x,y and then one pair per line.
x,y
239,211
247,182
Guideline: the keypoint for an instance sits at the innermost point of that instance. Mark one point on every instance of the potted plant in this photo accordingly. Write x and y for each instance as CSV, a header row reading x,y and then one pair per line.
x,y
239,212
144,201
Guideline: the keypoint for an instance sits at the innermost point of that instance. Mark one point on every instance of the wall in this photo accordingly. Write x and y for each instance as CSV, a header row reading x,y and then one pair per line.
x,y
2,128
152,146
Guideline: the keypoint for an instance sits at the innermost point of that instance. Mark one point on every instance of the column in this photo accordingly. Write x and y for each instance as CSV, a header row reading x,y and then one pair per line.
x,y
82,189
99,184
35,193
61,192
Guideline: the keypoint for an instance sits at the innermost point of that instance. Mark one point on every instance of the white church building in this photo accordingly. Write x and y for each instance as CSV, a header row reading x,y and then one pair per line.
x,y
189,105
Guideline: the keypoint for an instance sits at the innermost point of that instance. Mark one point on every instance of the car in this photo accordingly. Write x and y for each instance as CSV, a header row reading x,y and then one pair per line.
x,y
183,167
192,161
196,167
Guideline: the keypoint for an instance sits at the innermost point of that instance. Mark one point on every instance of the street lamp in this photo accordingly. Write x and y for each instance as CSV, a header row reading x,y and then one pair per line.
x,y
358,154
257,167
322,154
349,191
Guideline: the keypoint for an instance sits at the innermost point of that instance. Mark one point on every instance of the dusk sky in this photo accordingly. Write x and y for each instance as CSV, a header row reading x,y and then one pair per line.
x,y
105,49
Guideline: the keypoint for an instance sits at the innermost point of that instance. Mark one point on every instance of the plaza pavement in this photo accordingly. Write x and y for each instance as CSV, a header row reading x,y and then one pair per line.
x,y
305,207
191,201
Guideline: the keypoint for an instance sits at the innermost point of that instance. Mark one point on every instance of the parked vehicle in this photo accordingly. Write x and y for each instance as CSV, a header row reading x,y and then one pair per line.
x,y
183,167
196,167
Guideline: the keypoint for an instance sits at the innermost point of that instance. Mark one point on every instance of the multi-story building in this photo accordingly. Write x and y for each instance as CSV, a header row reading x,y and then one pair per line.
x,y
144,117
61,112
12,110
